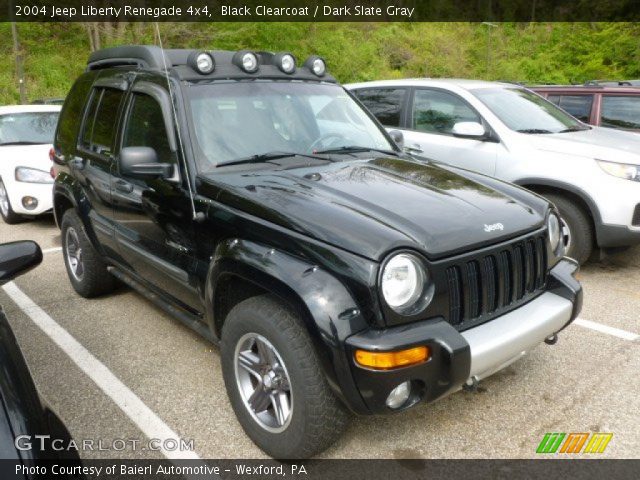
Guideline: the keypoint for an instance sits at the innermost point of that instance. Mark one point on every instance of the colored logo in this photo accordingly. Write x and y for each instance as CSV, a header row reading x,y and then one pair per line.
x,y
574,442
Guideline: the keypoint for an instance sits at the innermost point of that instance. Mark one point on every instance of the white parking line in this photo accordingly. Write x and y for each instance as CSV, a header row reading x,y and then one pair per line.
x,y
134,408
598,327
51,250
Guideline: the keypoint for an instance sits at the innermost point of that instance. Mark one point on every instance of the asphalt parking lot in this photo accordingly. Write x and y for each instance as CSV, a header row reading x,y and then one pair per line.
x,y
168,379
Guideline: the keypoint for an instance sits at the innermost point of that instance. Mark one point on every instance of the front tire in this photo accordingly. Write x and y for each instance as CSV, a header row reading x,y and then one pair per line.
x,y
8,215
577,231
275,383
87,272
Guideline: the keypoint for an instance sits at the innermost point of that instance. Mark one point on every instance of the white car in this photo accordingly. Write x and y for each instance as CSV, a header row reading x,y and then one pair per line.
x,y
592,174
26,135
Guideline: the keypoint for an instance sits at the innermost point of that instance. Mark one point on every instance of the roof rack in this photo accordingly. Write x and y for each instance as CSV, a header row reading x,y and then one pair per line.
x,y
178,61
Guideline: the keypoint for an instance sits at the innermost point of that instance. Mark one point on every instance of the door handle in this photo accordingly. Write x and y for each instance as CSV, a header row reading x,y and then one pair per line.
x,y
415,148
124,187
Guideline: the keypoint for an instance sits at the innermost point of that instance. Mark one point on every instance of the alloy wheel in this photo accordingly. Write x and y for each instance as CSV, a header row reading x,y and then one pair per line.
x,y
73,251
4,200
263,382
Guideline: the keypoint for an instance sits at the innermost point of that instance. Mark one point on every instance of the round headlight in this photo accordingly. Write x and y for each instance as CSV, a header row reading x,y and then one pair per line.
x,y
403,280
553,226
202,62
247,61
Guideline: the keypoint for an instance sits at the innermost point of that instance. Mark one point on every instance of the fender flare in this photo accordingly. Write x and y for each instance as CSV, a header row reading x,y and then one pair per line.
x,y
584,196
328,310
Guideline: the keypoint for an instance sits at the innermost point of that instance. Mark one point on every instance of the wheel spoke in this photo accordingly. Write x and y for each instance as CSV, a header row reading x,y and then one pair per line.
x,y
265,353
251,363
259,400
281,409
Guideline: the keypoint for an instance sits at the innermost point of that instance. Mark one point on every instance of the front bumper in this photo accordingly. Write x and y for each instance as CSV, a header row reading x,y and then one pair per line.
x,y
41,191
462,357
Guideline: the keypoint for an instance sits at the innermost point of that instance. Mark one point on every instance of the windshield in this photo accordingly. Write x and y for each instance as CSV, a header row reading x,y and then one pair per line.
x,y
526,112
27,128
237,120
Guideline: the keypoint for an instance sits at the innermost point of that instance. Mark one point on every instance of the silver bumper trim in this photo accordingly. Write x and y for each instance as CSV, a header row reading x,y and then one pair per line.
x,y
500,342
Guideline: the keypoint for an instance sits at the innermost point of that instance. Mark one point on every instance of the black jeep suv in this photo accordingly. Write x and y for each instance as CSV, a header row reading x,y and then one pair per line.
x,y
260,204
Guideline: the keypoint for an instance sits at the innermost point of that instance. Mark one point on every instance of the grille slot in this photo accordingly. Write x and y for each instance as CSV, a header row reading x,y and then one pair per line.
x,y
482,288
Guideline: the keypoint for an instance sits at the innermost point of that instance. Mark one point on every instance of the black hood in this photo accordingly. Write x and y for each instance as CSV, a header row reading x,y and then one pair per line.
x,y
370,207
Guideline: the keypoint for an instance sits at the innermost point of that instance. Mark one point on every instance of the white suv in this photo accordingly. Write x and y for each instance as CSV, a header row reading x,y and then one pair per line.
x,y
592,174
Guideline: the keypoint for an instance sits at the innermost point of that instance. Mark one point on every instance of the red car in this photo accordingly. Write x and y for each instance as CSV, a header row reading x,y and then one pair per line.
x,y
597,104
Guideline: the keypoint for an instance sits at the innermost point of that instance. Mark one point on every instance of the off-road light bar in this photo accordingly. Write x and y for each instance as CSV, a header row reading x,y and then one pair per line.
x,y
202,62
285,62
247,61
316,65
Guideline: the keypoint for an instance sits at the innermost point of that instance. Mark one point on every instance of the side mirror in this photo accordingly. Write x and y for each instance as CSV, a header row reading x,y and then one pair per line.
x,y
398,137
142,162
469,130
17,258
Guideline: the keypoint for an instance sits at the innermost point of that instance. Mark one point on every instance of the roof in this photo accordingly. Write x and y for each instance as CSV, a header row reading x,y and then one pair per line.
x,y
586,89
177,61
466,84
29,108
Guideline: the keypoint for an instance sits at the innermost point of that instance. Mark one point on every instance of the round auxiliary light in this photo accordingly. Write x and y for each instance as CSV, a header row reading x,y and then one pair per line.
x,y
202,62
285,62
247,61
316,65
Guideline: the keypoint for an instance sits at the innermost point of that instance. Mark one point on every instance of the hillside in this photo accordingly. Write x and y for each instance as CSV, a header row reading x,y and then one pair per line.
x,y
55,52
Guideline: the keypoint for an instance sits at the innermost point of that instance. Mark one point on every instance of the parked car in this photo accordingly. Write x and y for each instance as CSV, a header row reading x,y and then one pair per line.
x,y
29,430
26,137
591,174
597,104
273,215
48,101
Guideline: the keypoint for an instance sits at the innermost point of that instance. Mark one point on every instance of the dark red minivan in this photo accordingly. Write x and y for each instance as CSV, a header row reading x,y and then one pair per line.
x,y
597,104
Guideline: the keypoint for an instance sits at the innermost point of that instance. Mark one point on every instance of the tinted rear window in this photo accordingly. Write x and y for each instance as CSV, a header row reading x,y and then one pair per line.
x,y
100,121
577,105
620,112
71,115
385,104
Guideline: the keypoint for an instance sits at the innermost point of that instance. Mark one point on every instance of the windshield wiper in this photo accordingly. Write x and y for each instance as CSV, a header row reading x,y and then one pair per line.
x,y
534,130
357,149
574,129
21,143
265,157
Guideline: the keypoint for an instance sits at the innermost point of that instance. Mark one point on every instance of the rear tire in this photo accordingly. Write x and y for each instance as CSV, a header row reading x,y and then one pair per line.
x,y
290,376
578,222
8,215
87,272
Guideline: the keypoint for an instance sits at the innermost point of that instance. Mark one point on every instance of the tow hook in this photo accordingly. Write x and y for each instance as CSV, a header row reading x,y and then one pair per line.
x,y
471,385
552,340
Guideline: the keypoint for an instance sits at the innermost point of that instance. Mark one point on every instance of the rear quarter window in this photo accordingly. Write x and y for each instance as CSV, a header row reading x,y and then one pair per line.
x,y
620,112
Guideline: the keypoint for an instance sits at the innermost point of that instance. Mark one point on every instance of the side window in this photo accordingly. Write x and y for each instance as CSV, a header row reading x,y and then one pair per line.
x,y
100,123
620,112
384,103
71,115
435,111
577,105
146,128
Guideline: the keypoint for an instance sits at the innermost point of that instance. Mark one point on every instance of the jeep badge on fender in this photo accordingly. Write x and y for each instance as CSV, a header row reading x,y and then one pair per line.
x,y
254,199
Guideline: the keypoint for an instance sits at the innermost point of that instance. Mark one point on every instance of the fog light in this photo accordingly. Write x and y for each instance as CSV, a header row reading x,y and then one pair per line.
x,y
316,65
399,395
29,202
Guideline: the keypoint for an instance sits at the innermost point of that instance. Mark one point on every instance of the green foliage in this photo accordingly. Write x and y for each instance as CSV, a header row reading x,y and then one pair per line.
x,y
55,53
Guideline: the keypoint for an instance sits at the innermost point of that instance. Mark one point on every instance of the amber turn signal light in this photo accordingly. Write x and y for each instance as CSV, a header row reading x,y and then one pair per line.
x,y
390,360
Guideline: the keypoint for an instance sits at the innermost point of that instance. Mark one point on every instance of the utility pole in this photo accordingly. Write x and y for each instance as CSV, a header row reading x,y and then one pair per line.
x,y
489,26
19,65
